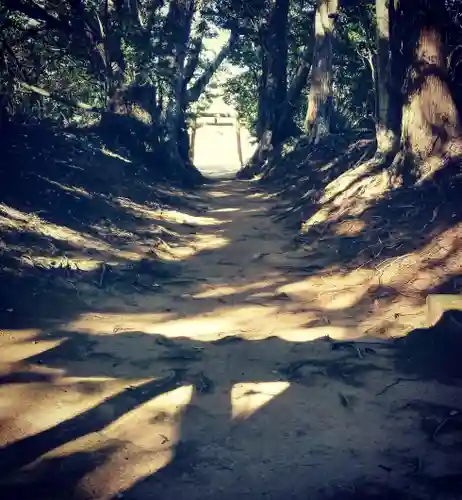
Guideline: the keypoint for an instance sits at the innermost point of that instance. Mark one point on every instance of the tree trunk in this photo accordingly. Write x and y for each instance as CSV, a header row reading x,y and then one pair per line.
x,y
386,131
431,123
317,122
262,85
239,141
294,91
273,82
178,27
192,140
277,45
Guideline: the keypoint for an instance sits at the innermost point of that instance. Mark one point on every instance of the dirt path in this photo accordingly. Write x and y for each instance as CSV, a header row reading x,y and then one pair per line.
x,y
223,384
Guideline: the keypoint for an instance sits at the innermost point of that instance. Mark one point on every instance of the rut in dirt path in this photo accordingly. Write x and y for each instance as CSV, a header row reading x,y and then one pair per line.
x,y
230,382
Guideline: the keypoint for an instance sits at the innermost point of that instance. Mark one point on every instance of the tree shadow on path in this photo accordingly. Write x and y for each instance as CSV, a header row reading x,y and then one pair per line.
x,y
263,419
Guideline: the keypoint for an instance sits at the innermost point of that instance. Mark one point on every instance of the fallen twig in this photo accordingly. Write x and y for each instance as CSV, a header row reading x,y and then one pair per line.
x,y
396,382
101,277
443,423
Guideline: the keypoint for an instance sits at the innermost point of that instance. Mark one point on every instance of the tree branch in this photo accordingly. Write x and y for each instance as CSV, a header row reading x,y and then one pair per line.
x,y
34,11
63,100
198,88
193,60
296,87
15,59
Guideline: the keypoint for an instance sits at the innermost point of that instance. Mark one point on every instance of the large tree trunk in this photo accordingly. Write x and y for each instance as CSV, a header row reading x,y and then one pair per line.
x,y
178,27
317,122
430,123
289,106
387,132
277,63
273,82
262,108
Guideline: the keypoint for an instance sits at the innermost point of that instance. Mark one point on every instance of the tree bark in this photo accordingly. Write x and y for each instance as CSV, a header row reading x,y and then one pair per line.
x,y
430,121
273,82
192,140
317,122
179,20
294,91
239,141
386,132
277,66
262,86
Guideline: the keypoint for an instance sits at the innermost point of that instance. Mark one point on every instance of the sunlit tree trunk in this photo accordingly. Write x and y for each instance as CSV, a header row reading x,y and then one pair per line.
x,y
430,122
317,121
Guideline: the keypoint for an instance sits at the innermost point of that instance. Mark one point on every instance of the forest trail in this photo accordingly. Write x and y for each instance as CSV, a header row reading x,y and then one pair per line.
x,y
230,381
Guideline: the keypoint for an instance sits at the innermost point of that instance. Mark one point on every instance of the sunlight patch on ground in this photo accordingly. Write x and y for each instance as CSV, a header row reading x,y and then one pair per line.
x,y
144,425
169,215
54,262
310,334
350,227
350,193
196,220
222,321
335,282
17,345
199,243
17,352
34,223
224,210
259,196
223,289
321,216
110,153
37,406
249,397
139,443
147,436
345,184
123,468
220,194
70,189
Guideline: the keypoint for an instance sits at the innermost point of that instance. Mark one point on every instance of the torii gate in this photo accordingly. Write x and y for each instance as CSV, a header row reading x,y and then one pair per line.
x,y
216,121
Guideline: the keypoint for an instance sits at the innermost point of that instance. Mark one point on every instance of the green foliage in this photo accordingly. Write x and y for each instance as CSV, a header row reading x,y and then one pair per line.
x,y
240,92
353,55
353,65
78,49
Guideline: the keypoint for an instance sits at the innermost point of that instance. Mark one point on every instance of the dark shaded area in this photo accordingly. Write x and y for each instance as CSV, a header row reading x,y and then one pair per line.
x,y
433,353
56,478
369,491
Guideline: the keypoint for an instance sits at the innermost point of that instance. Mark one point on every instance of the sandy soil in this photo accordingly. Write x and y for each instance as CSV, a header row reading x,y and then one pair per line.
x,y
230,382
